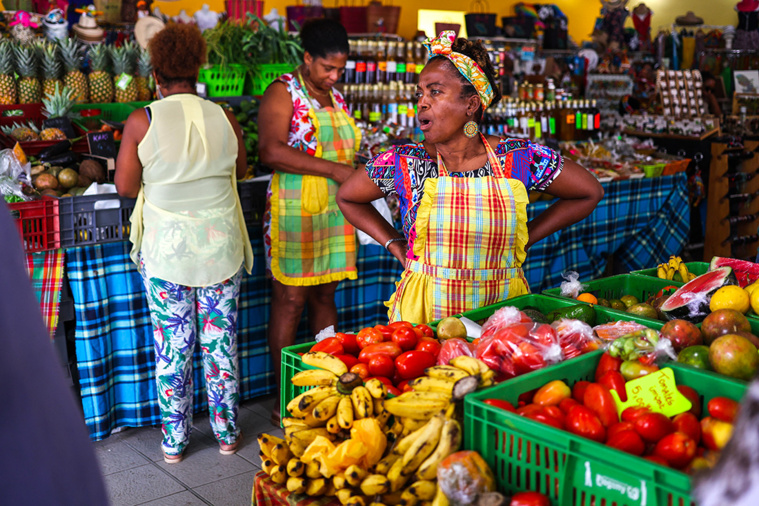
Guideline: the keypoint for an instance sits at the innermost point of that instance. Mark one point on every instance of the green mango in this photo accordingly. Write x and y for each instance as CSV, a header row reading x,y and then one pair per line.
x,y
582,312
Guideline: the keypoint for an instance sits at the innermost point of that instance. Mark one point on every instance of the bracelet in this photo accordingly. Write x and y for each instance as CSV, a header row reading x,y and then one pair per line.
x,y
394,239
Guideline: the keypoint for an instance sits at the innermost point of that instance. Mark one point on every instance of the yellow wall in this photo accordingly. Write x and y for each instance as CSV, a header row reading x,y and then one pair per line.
x,y
581,13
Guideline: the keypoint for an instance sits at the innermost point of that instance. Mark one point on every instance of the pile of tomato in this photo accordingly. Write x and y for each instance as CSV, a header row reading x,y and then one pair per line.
x,y
686,442
394,353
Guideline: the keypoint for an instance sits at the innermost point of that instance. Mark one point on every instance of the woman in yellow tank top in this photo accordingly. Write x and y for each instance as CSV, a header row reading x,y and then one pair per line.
x,y
180,157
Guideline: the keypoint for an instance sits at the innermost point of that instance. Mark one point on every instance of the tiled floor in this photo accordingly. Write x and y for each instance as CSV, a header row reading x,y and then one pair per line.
x,y
135,472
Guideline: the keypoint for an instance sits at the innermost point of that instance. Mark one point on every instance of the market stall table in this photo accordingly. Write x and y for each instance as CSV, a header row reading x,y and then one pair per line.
x,y
640,221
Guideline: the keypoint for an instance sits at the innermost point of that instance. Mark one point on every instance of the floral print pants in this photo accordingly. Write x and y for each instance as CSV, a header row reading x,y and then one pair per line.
x,y
179,314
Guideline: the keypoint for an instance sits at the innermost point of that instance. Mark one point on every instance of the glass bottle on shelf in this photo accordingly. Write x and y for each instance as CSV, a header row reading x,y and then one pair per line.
x,y
349,76
410,64
360,63
392,64
420,59
400,62
381,75
371,62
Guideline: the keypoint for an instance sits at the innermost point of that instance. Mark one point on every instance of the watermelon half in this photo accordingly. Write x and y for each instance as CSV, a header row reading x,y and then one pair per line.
x,y
691,301
745,272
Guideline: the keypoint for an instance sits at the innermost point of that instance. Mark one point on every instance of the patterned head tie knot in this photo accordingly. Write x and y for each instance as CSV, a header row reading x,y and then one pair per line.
x,y
442,46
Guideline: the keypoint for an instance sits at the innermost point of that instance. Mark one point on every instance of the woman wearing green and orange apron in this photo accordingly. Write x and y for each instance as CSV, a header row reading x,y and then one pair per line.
x,y
463,195
307,136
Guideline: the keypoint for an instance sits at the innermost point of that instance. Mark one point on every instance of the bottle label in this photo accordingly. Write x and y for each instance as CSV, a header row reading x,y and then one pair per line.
x,y
552,125
538,133
419,69
597,121
403,109
411,68
570,119
371,66
391,66
544,124
357,114
350,65
374,116
361,66
382,66
578,121
591,122
531,122
412,111
585,121
401,68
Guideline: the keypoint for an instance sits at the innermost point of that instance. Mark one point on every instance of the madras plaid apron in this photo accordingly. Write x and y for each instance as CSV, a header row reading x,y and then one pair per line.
x,y
471,234
311,241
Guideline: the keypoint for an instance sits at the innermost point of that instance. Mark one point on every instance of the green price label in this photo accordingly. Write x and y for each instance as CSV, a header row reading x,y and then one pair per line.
x,y
123,81
656,391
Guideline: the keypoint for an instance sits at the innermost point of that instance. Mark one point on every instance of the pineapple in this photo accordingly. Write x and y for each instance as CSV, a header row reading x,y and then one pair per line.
x,y
8,91
51,69
59,104
29,88
123,67
74,78
144,77
101,85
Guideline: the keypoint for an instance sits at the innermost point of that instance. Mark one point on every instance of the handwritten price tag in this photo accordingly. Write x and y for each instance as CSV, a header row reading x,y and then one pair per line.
x,y
656,391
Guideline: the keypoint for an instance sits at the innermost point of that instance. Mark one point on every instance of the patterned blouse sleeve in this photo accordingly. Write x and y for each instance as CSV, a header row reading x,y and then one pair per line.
x,y
544,163
381,170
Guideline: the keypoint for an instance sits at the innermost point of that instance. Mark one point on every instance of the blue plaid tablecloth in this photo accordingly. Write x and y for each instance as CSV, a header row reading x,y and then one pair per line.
x,y
114,343
640,221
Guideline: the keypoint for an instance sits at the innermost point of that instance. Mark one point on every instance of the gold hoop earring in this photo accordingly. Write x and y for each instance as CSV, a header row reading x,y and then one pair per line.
x,y
471,129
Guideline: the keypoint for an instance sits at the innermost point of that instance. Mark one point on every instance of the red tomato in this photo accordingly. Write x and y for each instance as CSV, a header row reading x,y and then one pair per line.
x,y
552,393
528,408
411,364
693,397
613,380
715,433
529,499
657,460
369,352
500,403
405,338
618,427
368,336
426,330
628,441
526,397
688,424
600,401
361,369
391,390
527,357
583,422
383,379
381,365
543,417
653,426
403,386
397,325
677,449
385,331
429,345
568,404
350,345
633,412
723,409
555,412
348,360
578,390
331,345
607,363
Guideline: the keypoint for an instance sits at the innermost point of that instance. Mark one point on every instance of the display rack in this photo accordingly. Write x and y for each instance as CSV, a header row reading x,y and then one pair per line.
x,y
733,232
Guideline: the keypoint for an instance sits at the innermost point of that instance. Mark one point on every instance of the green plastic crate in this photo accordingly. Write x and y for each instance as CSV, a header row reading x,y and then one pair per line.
x,y
291,364
527,455
265,75
110,112
546,304
696,268
226,81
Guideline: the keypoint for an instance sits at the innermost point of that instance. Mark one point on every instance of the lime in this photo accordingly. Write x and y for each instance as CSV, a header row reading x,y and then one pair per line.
x,y
618,304
730,297
696,356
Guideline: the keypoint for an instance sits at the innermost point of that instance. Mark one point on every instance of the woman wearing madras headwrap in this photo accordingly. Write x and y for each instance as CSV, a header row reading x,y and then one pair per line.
x,y
463,194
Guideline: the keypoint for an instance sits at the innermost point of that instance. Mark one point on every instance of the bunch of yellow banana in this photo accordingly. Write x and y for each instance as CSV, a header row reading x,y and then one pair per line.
x,y
675,270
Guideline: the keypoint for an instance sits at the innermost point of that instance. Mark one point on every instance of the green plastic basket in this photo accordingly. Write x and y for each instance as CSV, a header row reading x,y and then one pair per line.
x,y
546,304
265,75
291,364
527,455
696,268
223,81
110,112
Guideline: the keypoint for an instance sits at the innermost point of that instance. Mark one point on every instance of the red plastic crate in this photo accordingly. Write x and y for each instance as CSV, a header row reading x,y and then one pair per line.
x,y
37,222
25,113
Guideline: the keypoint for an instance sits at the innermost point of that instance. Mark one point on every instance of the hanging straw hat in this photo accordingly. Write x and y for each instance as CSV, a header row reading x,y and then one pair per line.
x,y
689,19
145,28
87,29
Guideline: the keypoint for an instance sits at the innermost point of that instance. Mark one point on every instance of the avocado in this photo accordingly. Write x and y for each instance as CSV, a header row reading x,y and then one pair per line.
x,y
535,315
582,312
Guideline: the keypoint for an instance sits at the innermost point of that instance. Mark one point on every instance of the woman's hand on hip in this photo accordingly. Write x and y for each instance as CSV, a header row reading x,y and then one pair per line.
x,y
399,250
342,172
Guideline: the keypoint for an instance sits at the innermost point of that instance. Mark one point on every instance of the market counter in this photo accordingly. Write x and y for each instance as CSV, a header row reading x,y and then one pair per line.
x,y
640,221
